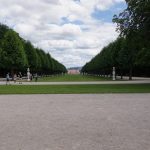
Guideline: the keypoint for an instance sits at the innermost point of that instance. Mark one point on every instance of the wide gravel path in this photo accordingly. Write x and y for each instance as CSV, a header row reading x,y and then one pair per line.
x,y
80,83
75,122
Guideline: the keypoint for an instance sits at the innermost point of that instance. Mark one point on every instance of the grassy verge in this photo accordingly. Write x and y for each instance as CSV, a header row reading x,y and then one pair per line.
x,y
63,78
74,89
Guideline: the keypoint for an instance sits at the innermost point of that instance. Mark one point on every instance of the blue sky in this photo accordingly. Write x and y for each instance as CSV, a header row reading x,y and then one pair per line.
x,y
107,15
72,31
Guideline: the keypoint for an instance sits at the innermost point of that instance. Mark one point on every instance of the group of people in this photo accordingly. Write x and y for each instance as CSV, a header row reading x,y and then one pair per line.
x,y
19,78
15,78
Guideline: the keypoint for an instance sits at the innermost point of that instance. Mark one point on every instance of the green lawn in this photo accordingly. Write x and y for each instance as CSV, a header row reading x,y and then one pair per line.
x,y
61,78
74,89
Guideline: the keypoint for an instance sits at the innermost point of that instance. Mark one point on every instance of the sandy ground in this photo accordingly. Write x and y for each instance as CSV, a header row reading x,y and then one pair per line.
x,y
75,122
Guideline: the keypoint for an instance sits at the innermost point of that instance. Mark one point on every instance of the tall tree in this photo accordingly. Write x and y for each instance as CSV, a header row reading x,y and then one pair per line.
x,y
13,54
31,56
3,30
134,24
16,54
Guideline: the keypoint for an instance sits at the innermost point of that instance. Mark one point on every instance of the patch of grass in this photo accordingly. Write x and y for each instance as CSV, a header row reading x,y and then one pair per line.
x,y
74,89
63,78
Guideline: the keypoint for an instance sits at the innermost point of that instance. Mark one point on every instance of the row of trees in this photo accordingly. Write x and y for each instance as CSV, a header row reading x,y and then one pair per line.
x,y
17,55
130,53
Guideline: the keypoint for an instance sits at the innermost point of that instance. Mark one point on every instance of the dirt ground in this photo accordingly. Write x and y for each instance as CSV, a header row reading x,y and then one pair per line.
x,y
75,122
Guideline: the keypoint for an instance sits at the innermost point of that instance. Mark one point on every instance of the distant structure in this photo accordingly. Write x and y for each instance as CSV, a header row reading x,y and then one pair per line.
x,y
75,70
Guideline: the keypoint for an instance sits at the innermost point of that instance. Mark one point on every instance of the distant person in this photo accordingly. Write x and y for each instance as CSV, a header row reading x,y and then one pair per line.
x,y
31,77
7,79
15,78
20,78
36,77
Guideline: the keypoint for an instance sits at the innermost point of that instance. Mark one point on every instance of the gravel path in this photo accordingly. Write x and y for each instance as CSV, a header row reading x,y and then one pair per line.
x,y
80,83
75,122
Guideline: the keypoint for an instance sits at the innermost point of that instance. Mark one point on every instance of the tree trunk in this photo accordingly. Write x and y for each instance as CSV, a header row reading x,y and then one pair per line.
x,y
12,73
130,74
121,75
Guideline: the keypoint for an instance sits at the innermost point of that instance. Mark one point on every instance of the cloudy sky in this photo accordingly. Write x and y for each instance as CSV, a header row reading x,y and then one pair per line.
x,y
72,31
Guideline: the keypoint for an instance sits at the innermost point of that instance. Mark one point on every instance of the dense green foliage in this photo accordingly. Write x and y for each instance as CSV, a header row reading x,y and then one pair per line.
x,y
17,55
13,54
130,53
75,89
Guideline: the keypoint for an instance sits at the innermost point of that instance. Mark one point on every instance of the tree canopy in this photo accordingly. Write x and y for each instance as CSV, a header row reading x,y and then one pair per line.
x,y
130,53
17,55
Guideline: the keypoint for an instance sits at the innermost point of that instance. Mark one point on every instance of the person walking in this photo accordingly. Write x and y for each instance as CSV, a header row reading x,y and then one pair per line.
x,y
20,78
31,77
15,78
7,79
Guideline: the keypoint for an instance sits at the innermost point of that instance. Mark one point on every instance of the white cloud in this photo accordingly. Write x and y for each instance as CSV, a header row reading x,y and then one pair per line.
x,y
56,44
99,4
41,22
24,29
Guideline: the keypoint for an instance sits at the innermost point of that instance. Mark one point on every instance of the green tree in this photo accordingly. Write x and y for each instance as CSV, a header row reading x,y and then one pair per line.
x,y
13,54
50,65
31,56
3,30
39,66
134,24
16,54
